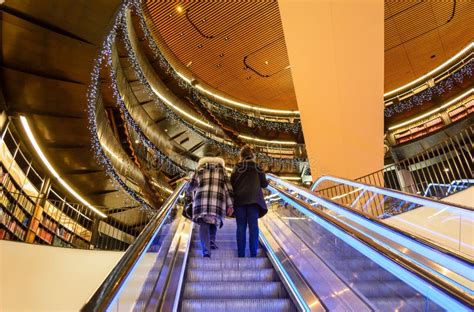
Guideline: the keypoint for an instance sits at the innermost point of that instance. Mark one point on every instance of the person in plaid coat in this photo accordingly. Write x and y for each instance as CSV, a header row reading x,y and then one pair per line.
x,y
211,193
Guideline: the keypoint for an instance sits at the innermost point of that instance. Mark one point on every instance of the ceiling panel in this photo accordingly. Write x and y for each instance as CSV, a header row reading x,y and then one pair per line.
x,y
429,33
213,38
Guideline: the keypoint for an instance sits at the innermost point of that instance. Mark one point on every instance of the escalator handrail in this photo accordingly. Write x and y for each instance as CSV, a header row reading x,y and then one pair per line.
x,y
419,239
107,291
414,198
372,219
407,264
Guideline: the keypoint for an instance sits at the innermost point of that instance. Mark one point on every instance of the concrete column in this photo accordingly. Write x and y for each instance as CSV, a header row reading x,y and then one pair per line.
x,y
336,51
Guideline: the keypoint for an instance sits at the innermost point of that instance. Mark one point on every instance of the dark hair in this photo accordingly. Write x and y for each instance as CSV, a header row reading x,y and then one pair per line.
x,y
246,153
211,150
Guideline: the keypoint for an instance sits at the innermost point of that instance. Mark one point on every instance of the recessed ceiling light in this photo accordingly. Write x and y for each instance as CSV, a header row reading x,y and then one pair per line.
x,y
200,46
179,8
181,33
446,169
203,20
218,65
226,38
266,62
221,55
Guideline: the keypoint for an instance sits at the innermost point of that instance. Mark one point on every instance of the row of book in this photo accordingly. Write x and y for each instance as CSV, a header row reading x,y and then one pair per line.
x,y
44,235
11,225
20,198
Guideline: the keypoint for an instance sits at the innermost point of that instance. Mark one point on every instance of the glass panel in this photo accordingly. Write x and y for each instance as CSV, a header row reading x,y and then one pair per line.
x,y
441,224
139,285
376,286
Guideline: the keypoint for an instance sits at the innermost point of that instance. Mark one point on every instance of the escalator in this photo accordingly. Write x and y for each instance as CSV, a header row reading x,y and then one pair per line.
x,y
311,258
227,283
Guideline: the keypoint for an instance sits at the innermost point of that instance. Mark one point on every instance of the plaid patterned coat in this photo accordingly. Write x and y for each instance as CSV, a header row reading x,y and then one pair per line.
x,y
210,190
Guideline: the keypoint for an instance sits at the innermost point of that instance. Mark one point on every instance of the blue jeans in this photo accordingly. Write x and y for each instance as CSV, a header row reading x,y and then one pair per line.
x,y
207,234
247,215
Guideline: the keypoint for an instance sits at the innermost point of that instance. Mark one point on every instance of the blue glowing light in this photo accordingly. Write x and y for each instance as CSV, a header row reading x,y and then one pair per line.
x,y
434,294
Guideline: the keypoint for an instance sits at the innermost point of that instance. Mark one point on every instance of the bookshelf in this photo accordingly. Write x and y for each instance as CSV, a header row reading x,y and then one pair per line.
x,y
32,210
26,214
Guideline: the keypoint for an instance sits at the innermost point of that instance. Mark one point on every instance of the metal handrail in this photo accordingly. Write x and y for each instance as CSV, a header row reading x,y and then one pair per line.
x,y
114,281
423,201
455,184
419,239
407,264
414,198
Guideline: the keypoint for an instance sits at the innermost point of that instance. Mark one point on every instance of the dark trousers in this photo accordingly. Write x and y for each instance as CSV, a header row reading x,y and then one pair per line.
x,y
247,215
207,234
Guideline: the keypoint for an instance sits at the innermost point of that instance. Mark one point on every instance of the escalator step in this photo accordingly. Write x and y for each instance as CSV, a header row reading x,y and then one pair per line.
x,y
238,305
234,290
227,244
262,275
233,263
224,253
219,236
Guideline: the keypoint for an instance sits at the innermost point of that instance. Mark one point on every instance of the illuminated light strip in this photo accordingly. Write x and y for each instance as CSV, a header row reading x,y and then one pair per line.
x,y
434,294
169,103
435,256
286,277
267,141
465,94
236,103
246,106
168,190
445,64
53,172
205,124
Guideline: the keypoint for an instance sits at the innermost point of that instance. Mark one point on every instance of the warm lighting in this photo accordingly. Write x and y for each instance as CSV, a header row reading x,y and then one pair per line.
x,y
53,172
169,103
266,62
199,121
446,169
431,73
179,9
465,94
267,141
137,141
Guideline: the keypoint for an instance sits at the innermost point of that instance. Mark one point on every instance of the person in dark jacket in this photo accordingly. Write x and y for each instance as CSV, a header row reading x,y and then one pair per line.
x,y
247,181
211,193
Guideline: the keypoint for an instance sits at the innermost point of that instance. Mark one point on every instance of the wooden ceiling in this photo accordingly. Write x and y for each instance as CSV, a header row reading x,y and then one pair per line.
x,y
238,47
421,35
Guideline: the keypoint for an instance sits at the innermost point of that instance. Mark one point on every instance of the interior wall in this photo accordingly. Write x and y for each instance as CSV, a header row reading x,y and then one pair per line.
x,y
336,53
44,278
